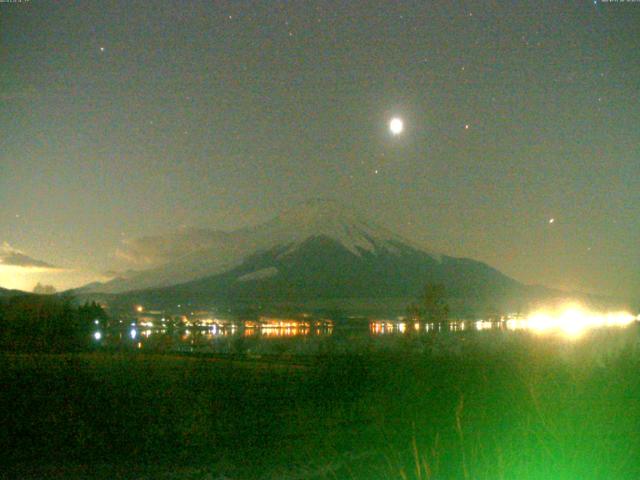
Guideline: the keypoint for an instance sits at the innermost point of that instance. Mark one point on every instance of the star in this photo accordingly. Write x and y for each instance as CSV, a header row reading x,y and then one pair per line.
x,y
466,127
102,49
552,220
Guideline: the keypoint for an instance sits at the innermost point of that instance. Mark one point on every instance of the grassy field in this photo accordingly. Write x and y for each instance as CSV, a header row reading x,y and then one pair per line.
x,y
528,410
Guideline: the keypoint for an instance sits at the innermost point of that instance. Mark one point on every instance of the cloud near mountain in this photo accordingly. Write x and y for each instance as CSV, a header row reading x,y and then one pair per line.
x,y
12,257
20,271
155,250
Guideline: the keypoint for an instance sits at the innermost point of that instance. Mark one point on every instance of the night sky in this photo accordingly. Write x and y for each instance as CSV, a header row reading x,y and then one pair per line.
x,y
122,119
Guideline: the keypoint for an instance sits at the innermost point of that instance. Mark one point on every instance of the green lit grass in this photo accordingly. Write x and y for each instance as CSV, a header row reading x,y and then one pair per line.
x,y
524,411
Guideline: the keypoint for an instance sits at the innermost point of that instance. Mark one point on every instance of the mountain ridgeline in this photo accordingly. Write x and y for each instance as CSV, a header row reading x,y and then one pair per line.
x,y
318,253
10,293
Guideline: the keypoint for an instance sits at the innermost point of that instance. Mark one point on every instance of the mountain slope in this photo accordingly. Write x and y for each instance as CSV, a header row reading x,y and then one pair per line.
x,y
225,251
323,269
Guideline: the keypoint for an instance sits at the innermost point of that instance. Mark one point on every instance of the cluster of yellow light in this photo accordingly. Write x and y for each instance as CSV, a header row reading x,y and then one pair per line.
x,y
572,320
209,322
381,326
456,326
279,325
267,322
284,332
484,325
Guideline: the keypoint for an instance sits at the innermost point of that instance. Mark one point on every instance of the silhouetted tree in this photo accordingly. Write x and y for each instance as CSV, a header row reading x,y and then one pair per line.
x,y
434,303
41,289
432,306
414,312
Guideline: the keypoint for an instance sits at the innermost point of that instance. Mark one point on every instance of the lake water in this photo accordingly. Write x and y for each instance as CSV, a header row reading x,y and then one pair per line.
x,y
302,338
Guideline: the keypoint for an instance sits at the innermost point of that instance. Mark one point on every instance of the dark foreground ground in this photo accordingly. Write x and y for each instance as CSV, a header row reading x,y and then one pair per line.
x,y
524,411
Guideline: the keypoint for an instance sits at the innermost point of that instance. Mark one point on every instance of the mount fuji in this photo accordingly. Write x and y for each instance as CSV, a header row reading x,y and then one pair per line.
x,y
318,250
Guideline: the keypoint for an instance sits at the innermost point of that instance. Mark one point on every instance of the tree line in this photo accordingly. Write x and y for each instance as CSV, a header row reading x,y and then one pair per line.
x,y
47,323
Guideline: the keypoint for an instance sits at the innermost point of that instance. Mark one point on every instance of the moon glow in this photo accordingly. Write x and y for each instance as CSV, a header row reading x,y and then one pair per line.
x,y
396,126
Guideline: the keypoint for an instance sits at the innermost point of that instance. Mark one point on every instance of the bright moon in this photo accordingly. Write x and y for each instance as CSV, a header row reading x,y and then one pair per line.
x,y
396,125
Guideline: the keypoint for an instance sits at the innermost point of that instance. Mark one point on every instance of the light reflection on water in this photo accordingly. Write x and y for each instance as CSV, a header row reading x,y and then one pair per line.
x,y
307,337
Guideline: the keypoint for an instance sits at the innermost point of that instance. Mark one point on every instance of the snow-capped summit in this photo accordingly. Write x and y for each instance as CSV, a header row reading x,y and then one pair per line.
x,y
328,218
